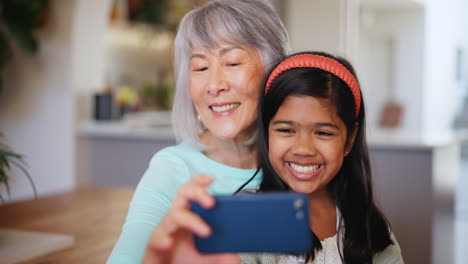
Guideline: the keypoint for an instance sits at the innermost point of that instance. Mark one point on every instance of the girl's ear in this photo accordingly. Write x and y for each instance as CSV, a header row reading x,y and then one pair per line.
x,y
351,139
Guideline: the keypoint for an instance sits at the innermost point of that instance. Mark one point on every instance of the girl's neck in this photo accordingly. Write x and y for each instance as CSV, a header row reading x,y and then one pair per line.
x,y
322,214
321,200
232,152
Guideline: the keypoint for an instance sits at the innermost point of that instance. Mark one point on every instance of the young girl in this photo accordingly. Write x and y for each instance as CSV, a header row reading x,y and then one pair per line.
x,y
312,140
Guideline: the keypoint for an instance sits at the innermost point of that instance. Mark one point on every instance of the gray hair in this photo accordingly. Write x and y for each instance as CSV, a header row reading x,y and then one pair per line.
x,y
252,23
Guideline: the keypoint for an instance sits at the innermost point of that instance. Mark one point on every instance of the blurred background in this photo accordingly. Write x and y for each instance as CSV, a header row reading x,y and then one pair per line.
x,y
86,99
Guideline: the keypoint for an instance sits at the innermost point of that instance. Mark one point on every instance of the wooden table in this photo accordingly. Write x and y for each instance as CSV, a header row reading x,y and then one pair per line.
x,y
94,216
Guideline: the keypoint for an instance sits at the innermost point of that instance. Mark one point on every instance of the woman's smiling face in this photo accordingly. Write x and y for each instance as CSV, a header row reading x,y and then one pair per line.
x,y
224,87
307,143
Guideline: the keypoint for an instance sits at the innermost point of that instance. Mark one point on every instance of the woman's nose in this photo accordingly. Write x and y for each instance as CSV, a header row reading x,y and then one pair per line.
x,y
217,83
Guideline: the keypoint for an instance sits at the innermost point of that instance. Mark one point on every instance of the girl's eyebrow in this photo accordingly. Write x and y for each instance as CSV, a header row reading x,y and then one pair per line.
x,y
282,122
326,125
319,124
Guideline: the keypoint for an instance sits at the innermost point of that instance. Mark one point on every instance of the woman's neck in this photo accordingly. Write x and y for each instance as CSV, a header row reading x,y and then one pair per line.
x,y
232,152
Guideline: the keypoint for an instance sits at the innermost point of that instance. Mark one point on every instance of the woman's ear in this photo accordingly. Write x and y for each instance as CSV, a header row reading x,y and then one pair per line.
x,y
351,139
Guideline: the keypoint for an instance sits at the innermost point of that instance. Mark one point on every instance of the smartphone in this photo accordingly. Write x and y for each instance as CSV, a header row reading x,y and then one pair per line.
x,y
253,223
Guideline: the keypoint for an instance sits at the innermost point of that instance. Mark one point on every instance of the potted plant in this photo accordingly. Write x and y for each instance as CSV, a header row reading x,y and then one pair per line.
x,y
18,20
8,160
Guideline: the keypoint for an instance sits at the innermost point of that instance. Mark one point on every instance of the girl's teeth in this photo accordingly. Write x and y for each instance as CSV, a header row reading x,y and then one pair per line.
x,y
304,169
224,107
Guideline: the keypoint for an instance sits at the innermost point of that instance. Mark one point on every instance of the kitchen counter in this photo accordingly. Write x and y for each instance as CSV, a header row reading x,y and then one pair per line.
x,y
381,138
118,130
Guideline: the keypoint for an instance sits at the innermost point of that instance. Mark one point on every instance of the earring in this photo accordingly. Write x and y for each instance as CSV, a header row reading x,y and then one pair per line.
x,y
198,118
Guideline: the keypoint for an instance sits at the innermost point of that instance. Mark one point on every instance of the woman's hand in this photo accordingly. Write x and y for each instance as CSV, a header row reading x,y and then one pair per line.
x,y
172,240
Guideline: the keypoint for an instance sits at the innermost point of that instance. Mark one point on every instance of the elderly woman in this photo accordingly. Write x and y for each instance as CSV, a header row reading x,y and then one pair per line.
x,y
222,52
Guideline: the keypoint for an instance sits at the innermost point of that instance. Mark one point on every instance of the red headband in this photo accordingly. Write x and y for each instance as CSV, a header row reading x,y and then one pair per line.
x,y
319,62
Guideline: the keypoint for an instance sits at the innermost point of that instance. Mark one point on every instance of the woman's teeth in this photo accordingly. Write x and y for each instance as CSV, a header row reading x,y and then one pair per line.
x,y
304,169
225,107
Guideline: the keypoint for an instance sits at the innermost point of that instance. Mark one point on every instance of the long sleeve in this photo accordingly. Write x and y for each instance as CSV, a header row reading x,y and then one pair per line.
x,y
150,203
168,170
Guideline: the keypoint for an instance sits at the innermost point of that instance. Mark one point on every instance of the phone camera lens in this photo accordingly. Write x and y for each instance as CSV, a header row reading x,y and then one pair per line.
x,y
298,203
299,215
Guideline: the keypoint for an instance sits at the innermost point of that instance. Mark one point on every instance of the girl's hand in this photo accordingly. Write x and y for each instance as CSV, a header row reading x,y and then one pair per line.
x,y
172,240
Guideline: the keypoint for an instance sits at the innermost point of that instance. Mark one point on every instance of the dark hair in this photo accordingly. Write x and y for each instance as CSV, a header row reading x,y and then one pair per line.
x,y
366,230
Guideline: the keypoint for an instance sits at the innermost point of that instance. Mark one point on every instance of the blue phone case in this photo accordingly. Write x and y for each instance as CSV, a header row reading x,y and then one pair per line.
x,y
263,222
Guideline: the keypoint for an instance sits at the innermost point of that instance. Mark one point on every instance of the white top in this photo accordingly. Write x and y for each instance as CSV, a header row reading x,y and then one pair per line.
x,y
328,255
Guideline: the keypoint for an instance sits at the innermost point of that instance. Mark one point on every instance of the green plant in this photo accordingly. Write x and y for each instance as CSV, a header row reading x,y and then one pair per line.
x,y
7,159
148,11
18,19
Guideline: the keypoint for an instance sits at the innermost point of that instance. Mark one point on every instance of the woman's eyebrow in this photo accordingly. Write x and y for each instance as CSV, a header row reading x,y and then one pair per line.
x,y
227,49
221,51
197,55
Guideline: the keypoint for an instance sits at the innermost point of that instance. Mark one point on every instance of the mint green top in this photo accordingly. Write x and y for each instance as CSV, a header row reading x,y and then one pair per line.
x,y
168,170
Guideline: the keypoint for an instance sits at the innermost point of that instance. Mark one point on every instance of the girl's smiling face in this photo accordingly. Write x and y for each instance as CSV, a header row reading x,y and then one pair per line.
x,y
307,143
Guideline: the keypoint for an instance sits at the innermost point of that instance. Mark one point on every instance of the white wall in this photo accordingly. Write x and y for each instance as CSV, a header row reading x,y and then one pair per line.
x,y
89,25
391,63
446,30
425,56
37,109
306,33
